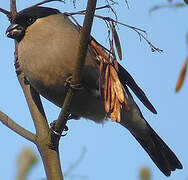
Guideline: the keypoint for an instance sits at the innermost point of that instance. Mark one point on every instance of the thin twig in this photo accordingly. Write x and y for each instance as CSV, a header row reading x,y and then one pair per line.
x,y
127,4
46,1
111,1
137,30
7,121
4,11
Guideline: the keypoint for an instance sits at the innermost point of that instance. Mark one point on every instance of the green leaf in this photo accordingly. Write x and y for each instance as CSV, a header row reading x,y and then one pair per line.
x,y
175,5
179,4
157,7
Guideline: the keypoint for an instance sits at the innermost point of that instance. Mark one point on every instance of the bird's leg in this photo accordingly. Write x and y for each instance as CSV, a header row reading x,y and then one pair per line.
x,y
69,117
52,125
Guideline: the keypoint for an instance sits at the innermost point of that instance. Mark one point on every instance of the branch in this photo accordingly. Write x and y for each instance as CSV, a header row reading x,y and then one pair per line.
x,y
46,1
82,50
13,10
35,107
7,121
109,19
4,11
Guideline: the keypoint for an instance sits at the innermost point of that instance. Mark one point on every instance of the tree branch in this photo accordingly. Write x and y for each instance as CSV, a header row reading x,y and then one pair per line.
x,y
109,19
35,107
4,11
7,121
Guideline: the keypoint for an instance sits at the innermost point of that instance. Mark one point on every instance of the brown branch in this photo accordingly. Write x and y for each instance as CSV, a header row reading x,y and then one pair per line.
x,y
7,121
4,11
82,50
35,107
13,10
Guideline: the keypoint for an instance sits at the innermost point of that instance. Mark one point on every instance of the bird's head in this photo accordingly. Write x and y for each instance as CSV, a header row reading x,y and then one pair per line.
x,y
26,18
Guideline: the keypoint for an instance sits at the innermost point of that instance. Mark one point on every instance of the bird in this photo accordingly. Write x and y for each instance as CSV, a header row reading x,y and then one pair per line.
x,y
47,48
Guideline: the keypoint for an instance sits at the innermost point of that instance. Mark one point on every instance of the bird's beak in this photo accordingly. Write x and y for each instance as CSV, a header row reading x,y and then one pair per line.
x,y
15,31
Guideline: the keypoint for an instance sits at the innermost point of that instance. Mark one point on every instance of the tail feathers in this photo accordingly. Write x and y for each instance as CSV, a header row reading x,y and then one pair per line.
x,y
160,153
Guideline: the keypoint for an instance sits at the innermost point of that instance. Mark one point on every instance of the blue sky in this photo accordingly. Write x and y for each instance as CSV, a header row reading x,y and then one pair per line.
x,y
112,153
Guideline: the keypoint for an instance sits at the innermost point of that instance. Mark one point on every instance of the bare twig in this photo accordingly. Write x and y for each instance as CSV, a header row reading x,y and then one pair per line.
x,y
127,4
112,2
4,11
7,121
82,12
47,1
109,19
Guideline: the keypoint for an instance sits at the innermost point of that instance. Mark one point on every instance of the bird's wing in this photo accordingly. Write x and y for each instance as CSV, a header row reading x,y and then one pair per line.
x,y
126,79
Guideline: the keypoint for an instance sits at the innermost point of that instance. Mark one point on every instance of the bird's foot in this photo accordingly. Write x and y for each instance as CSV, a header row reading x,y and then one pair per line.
x,y
68,84
52,125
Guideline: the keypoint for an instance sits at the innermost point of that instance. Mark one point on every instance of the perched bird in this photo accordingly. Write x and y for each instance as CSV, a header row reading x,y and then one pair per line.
x,y
47,47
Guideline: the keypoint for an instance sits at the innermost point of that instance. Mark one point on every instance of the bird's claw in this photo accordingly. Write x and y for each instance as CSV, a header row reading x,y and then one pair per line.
x,y
52,125
68,84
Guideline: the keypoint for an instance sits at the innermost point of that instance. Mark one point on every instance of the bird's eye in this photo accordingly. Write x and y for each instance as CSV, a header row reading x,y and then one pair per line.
x,y
31,20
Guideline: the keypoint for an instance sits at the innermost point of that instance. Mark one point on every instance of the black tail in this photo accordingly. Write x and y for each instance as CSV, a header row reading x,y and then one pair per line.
x,y
160,153
157,149
133,120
